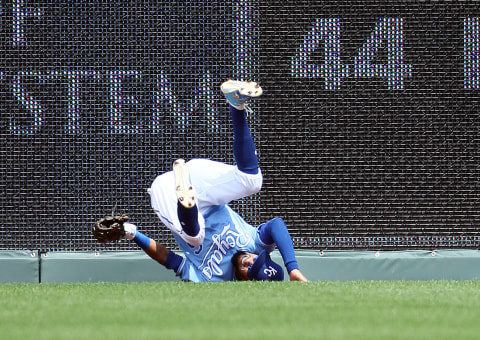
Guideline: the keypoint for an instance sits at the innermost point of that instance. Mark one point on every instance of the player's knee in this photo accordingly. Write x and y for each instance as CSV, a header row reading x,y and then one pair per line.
x,y
255,188
255,185
250,188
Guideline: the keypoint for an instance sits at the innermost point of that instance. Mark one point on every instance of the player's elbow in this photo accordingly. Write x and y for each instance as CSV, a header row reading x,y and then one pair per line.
x,y
253,185
279,223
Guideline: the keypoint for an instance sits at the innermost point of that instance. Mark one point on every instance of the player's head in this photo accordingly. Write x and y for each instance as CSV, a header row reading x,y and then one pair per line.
x,y
249,266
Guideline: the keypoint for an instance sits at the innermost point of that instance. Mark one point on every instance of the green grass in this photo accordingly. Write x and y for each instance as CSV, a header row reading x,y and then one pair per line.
x,y
242,310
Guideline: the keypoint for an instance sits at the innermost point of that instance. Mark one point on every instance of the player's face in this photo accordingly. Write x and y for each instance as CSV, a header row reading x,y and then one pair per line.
x,y
243,262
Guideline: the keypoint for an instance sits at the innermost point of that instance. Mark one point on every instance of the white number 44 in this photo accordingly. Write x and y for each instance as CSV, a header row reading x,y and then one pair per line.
x,y
387,33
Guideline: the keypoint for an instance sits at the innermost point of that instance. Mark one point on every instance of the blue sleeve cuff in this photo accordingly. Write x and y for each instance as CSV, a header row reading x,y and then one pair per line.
x,y
173,261
291,266
142,240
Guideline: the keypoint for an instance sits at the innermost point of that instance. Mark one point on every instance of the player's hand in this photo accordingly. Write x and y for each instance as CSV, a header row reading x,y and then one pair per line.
x,y
296,275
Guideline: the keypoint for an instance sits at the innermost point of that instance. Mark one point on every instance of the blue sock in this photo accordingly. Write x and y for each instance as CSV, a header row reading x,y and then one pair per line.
x,y
188,219
275,231
142,240
243,145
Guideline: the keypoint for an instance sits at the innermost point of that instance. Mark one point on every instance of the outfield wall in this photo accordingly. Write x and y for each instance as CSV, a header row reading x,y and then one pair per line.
x,y
375,102
136,266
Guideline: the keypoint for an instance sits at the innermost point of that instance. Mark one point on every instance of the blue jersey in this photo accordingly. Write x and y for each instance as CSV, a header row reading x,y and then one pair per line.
x,y
225,234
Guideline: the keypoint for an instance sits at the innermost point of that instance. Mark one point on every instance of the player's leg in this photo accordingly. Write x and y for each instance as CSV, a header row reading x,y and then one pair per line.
x,y
243,145
217,183
237,94
187,210
165,203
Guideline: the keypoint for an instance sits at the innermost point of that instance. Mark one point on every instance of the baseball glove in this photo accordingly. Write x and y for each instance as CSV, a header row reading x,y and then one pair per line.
x,y
110,228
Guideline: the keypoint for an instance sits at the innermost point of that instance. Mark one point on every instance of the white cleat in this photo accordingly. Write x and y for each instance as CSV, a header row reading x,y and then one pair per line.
x,y
183,187
238,92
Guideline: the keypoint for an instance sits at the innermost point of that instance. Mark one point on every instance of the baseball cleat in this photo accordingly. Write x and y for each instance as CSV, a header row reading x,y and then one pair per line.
x,y
238,92
183,187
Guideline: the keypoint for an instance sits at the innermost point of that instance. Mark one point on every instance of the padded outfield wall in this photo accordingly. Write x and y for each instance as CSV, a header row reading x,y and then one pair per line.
x,y
367,133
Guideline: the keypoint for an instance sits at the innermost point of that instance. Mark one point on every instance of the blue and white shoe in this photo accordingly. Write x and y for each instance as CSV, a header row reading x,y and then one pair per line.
x,y
238,92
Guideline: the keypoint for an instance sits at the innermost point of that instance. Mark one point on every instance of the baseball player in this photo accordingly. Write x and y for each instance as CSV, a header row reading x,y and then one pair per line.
x,y
192,201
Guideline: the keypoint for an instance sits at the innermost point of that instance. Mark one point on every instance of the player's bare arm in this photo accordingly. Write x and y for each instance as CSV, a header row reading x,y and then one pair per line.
x,y
157,251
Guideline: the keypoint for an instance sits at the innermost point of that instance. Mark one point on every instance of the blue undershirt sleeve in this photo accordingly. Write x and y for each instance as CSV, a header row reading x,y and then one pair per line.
x,y
142,240
275,231
173,261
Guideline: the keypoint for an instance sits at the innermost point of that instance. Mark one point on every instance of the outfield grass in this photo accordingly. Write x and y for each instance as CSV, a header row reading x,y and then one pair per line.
x,y
242,310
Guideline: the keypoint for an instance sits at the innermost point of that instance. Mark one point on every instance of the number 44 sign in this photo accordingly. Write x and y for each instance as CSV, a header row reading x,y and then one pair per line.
x,y
387,33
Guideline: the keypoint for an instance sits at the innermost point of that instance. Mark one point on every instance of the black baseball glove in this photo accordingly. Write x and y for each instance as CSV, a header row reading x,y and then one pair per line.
x,y
110,228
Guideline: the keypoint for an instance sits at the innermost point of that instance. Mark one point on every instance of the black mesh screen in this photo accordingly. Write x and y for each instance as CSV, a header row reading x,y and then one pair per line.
x,y
368,130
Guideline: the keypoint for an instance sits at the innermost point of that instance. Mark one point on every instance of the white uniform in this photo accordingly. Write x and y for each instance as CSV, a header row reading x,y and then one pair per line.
x,y
215,183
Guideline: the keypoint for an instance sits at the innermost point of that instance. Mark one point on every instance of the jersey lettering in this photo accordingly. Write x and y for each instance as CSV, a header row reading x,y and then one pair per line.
x,y
229,238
